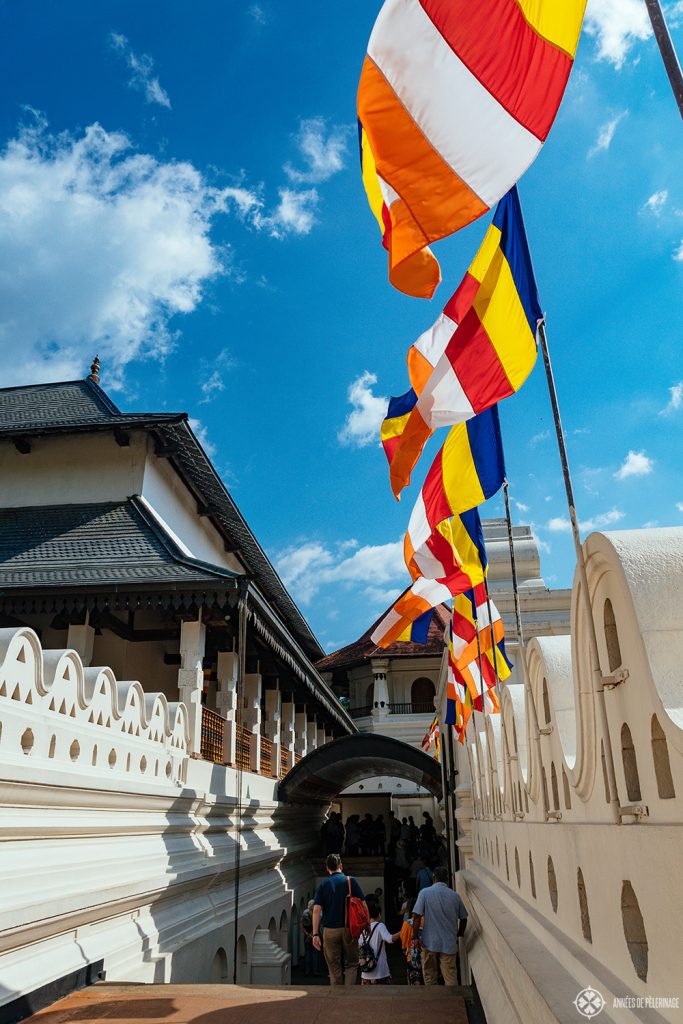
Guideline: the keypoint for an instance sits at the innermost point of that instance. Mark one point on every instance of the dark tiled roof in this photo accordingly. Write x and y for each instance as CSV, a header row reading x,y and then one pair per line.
x,y
98,545
83,405
363,648
76,403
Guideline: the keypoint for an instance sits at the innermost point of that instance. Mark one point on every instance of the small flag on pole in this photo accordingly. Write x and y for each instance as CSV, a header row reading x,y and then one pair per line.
x,y
432,739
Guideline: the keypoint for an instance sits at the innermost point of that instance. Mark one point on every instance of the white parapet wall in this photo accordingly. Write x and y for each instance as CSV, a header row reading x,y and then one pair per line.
x,y
117,845
566,888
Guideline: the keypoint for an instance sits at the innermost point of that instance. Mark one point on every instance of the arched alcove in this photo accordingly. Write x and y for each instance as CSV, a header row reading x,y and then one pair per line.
x,y
660,756
370,696
583,907
422,696
553,783
517,871
544,780
283,932
497,852
552,884
605,778
272,930
294,935
218,972
532,877
243,974
507,866
634,930
546,702
611,637
628,757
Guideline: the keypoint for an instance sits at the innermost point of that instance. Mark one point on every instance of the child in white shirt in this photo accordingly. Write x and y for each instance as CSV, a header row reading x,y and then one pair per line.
x,y
379,935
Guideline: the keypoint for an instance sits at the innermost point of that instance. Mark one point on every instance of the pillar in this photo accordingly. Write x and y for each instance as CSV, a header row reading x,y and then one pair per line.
x,y
322,738
301,733
81,639
288,730
226,701
251,717
380,697
311,734
191,678
273,724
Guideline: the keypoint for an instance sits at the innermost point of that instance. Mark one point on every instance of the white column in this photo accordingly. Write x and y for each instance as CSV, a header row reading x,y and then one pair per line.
x,y
311,734
273,725
81,640
191,677
301,733
253,684
322,738
288,729
380,701
226,701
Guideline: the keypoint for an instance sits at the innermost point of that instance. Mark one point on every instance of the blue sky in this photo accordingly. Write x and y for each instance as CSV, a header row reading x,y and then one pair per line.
x,y
179,191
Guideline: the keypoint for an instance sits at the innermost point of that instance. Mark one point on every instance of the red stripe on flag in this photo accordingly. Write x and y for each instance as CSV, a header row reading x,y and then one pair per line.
x,y
476,364
436,503
461,300
524,72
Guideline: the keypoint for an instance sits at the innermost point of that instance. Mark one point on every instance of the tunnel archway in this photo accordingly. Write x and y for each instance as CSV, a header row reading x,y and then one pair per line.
x,y
328,770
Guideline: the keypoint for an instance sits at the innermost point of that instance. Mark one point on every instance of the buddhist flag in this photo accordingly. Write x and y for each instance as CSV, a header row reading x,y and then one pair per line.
x,y
480,350
455,100
475,626
432,739
417,631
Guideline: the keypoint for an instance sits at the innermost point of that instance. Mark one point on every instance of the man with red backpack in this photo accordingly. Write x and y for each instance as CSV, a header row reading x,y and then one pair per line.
x,y
341,902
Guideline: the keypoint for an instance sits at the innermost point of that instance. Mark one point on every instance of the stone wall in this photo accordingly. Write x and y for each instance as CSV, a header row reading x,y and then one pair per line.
x,y
572,881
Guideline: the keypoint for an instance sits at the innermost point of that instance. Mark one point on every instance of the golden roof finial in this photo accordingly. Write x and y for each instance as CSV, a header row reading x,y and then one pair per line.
x,y
95,370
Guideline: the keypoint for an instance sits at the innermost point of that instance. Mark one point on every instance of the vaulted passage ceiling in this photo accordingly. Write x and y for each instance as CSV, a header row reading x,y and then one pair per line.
x,y
325,772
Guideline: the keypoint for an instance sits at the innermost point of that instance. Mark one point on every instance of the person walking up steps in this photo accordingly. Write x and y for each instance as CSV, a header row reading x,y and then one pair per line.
x,y
376,937
330,902
445,919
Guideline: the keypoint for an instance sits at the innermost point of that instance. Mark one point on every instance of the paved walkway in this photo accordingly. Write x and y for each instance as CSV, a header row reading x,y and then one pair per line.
x,y
229,1004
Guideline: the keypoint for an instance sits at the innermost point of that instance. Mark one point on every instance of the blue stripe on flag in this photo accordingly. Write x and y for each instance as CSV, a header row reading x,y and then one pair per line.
x,y
472,523
401,405
486,444
420,627
508,219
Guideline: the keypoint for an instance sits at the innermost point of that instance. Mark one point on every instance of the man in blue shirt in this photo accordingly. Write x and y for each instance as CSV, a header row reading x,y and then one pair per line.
x,y
330,902
445,918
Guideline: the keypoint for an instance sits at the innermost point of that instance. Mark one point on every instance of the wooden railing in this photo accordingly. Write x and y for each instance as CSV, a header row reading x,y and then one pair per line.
x,y
266,756
361,712
285,762
243,749
213,727
425,707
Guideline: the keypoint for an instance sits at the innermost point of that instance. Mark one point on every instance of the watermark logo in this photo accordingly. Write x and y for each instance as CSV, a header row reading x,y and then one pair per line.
x,y
589,1002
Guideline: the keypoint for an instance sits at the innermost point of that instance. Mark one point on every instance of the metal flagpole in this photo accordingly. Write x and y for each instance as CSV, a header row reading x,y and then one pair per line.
x,y
666,48
494,646
520,641
583,578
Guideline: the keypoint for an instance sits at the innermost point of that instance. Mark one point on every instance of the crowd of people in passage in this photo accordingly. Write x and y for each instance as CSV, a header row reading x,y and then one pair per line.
x,y
433,919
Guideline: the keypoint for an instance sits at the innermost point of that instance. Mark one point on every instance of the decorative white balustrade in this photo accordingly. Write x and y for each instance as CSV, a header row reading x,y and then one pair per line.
x,y
589,883
56,712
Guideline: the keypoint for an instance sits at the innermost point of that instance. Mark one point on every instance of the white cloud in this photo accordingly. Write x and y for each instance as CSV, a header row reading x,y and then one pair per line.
x,y
211,382
561,524
520,506
675,400
258,14
323,151
678,255
679,506
616,25
200,432
211,386
635,464
606,134
105,245
294,214
362,424
142,75
656,203
309,566
537,438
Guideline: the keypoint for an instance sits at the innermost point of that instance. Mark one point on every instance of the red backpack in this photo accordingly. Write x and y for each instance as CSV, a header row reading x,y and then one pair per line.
x,y
357,917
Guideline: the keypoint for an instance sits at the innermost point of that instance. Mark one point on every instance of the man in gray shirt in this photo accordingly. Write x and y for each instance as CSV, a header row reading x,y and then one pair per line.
x,y
445,918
